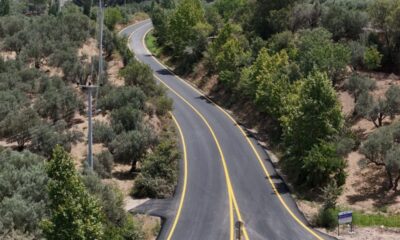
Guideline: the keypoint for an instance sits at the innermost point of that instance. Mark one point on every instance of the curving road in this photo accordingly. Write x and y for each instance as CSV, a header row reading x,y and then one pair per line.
x,y
228,176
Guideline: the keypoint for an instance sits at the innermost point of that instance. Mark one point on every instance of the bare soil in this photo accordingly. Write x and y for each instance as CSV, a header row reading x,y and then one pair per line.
x,y
88,50
365,233
8,55
114,66
137,17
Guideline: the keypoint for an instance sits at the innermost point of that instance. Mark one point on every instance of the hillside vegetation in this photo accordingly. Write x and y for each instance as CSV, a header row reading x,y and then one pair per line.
x,y
286,63
44,192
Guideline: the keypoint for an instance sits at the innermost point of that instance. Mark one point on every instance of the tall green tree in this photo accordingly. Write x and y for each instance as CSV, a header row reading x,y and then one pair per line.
x,y
181,25
75,214
319,115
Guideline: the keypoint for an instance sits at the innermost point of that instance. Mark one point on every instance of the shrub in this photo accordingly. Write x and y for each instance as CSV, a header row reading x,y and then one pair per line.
x,y
130,147
158,175
163,105
102,133
23,198
140,75
112,16
372,58
126,119
327,218
103,164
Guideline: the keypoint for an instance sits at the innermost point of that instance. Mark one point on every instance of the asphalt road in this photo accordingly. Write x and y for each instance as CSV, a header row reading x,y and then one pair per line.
x,y
229,175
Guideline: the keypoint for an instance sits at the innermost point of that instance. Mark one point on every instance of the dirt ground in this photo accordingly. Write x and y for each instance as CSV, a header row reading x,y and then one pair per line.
x,y
365,233
364,188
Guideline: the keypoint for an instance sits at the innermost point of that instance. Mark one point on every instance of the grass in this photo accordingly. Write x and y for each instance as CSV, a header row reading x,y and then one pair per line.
x,y
365,220
376,219
152,45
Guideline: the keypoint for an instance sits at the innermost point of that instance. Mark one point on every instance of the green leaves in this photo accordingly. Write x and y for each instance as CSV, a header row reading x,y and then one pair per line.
x,y
181,25
112,16
158,175
23,195
74,213
382,149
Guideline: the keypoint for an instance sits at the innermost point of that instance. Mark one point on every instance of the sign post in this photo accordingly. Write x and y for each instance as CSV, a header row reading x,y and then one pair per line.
x,y
345,218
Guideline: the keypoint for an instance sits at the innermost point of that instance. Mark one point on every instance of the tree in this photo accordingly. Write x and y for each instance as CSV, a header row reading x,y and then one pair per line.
x,y
59,104
270,17
103,164
23,197
112,16
139,75
4,7
318,118
385,15
126,118
16,125
103,133
322,166
75,214
228,8
305,15
377,110
181,25
229,60
344,22
160,19
130,147
357,85
318,52
118,97
382,149
271,76
119,224
45,137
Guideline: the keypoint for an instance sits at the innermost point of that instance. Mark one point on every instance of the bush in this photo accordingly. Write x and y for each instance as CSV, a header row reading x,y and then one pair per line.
x,y
158,175
121,96
130,147
112,16
372,58
140,75
103,133
126,119
23,197
327,218
321,166
103,164
163,105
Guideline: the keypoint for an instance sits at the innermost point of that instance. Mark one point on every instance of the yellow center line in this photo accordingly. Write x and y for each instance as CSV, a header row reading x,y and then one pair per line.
x,y
261,162
232,198
185,173
231,195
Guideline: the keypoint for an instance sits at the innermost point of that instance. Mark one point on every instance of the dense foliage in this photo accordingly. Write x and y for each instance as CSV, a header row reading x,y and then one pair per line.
x,y
285,58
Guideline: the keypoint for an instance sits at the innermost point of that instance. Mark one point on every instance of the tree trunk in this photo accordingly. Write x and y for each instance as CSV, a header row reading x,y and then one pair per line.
x,y
133,168
380,119
390,179
396,182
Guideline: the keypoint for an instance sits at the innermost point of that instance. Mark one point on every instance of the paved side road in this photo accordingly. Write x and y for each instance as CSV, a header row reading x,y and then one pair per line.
x,y
229,175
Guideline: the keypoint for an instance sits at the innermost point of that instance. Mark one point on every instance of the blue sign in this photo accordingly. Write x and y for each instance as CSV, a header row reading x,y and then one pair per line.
x,y
345,217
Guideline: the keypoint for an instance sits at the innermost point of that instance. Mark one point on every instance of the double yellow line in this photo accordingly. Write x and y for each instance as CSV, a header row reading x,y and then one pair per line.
x,y
232,198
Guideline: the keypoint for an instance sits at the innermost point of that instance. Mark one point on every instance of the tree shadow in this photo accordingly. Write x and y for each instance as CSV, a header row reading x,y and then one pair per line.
x,y
124,175
372,185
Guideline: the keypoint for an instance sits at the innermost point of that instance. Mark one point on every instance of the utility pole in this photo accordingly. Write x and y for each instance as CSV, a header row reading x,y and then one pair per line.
x,y
100,41
89,90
